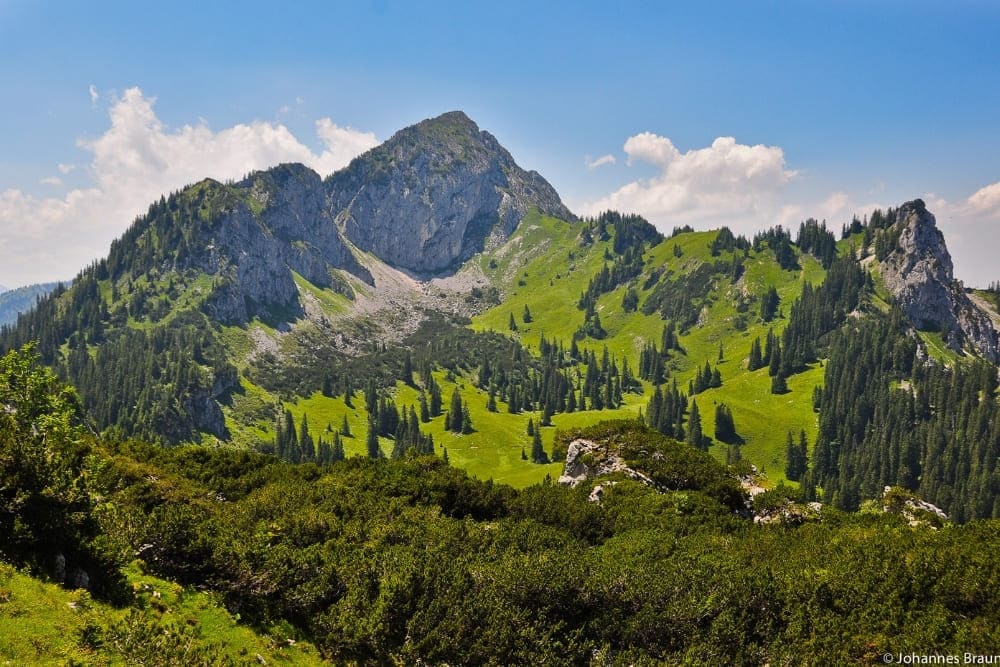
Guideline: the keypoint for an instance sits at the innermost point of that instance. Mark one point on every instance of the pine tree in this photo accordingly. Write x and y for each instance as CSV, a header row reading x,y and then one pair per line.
x,y
306,444
491,402
538,454
527,315
695,438
435,392
338,449
511,324
755,360
466,420
455,412
408,370
425,414
531,427
345,428
374,451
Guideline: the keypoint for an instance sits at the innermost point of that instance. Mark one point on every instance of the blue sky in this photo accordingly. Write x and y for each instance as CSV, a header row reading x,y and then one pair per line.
x,y
832,107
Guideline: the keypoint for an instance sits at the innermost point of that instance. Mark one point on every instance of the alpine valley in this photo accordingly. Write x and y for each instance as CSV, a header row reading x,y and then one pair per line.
x,y
419,411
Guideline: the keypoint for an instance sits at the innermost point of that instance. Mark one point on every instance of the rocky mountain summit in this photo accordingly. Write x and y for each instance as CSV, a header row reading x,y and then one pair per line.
x,y
919,274
435,194
423,202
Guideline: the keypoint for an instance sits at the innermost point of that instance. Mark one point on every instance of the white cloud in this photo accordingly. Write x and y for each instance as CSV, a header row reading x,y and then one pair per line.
x,y
723,184
94,96
135,161
342,145
651,148
599,162
65,168
986,201
54,181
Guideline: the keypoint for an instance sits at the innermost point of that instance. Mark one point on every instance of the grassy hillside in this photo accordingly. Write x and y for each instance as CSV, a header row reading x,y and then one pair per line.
x,y
544,267
556,270
45,624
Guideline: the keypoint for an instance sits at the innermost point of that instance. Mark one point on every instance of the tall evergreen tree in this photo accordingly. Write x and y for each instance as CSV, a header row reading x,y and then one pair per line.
x,y
374,451
538,454
695,437
455,412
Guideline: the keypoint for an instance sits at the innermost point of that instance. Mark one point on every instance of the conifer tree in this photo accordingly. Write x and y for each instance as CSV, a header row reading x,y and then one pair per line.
x,y
466,420
425,414
538,454
695,438
306,444
755,360
338,449
374,451
408,370
455,412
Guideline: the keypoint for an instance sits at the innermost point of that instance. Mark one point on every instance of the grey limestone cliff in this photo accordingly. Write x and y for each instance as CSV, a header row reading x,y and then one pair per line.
x,y
253,250
435,194
919,274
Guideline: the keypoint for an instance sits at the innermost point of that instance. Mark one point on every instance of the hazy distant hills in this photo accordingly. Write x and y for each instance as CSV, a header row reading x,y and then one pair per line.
x,y
19,300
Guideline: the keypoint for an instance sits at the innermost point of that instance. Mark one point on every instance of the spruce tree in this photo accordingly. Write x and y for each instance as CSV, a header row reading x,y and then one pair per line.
x,y
466,420
755,360
425,413
306,444
538,454
695,438
455,412
374,451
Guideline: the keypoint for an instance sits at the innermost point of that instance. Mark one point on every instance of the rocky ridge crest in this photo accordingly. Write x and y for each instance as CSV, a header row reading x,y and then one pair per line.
x,y
920,275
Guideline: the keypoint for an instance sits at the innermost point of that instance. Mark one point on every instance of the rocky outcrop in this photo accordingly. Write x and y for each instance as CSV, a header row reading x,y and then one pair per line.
x,y
253,253
424,201
919,274
916,512
435,194
586,459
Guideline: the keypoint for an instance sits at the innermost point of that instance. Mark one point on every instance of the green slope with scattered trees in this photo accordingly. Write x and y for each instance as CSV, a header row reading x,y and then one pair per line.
x,y
411,560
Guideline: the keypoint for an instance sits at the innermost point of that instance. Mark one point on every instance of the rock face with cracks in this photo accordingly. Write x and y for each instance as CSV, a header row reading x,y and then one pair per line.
x,y
919,274
435,194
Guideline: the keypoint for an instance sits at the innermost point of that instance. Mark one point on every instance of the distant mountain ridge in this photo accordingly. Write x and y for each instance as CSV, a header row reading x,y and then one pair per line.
x,y
16,301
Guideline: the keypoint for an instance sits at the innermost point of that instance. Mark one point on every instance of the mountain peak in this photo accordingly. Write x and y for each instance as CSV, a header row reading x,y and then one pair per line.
x,y
436,193
920,275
